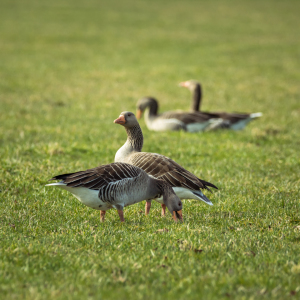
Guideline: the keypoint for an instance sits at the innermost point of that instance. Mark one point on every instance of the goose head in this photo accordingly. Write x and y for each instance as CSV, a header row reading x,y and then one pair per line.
x,y
144,103
127,119
190,84
174,205
172,201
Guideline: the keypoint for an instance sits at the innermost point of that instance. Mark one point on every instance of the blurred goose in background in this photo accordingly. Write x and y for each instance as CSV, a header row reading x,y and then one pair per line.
x,y
185,184
235,121
174,120
117,185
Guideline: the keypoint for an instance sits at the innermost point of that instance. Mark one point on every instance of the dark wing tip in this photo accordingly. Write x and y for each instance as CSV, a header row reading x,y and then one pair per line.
x,y
61,177
58,177
207,184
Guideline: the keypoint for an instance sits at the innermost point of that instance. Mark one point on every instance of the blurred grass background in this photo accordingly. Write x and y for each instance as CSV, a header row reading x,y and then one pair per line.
x,y
68,68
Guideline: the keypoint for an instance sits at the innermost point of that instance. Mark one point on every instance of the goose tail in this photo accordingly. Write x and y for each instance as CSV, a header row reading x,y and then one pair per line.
x,y
56,184
256,115
202,197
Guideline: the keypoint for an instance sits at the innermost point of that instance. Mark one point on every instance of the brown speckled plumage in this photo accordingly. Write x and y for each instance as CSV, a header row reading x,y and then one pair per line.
x,y
156,165
230,119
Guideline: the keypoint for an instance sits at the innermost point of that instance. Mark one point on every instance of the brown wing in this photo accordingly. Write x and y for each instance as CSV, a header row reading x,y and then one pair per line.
x,y
162,167
99,177
231,117
188,117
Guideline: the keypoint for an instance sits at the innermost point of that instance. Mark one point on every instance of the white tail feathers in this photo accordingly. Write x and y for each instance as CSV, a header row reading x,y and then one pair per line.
x,y
256,115
55,183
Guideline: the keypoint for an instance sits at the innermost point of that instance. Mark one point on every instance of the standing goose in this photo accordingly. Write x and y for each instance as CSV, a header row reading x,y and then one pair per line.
x,y
115,186
235,121
185,184
174,120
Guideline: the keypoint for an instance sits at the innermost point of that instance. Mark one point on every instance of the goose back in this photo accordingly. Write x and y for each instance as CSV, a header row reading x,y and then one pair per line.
x,y
114,184
162,167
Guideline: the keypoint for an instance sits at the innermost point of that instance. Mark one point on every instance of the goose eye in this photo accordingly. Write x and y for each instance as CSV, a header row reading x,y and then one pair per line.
x,y
179,204
129,115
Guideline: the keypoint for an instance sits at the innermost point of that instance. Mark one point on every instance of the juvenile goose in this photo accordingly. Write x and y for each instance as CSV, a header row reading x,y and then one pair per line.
x,y
174,120
117,185
235,121
185,184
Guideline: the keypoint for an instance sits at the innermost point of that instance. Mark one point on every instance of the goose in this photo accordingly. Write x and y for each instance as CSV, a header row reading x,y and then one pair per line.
x,y
235,121
185,184
174,120
117,185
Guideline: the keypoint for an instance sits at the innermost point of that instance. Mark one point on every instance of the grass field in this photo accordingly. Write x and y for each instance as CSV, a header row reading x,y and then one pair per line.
x,y
68,68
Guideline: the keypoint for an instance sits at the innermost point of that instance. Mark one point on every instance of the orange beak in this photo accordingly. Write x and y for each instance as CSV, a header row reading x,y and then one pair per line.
x,y
184,84
121,120
177,214
139,114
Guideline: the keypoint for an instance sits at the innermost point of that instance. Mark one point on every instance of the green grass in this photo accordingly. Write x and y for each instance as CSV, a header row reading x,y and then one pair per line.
x,y
68,68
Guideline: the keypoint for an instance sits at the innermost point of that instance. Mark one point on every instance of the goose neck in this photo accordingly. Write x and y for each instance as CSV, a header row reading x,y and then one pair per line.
x,y
134,143
197,96
149,117
153,108
135,138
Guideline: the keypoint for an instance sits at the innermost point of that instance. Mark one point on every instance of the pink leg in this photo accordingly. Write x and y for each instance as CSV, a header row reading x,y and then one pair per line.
x,y
147,207
163,210
102,215
121,215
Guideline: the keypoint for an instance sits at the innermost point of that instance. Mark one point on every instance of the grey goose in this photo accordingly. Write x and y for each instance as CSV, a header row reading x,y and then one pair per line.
x,y
235,121
117,185
185,184
174,120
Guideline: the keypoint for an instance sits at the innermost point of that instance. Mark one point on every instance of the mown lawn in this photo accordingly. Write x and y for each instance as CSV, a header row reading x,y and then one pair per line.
x,y
68,68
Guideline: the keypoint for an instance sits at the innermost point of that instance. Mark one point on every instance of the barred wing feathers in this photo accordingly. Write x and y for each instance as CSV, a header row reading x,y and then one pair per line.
x,y
99,177
162,167
188,118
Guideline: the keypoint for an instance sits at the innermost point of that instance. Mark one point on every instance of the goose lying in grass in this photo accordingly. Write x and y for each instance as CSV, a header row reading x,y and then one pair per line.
x,y
235,121
185,184
174,120
117,185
